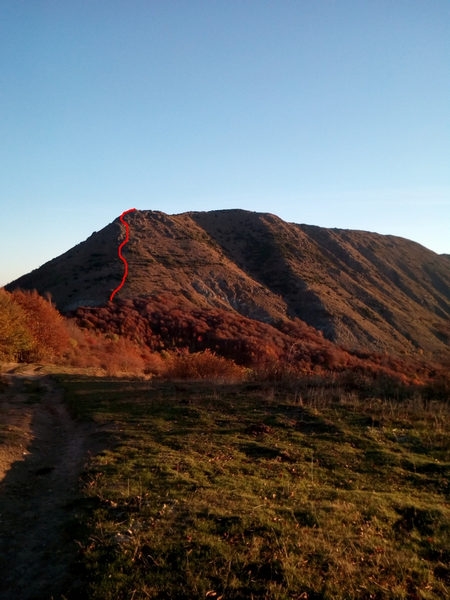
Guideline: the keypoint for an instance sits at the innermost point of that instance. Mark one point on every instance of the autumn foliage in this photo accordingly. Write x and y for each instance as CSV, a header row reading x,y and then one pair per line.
x,y
165,336
31,329
15,337
46,327
202,365
169,326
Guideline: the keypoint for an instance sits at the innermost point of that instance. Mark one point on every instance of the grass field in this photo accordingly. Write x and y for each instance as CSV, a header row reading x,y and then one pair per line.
x,y
255,491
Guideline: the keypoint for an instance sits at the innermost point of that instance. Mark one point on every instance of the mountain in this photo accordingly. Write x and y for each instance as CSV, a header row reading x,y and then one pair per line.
x,y
359,290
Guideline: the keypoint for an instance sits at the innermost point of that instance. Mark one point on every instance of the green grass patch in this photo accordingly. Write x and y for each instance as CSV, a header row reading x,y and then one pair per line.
x,y
256,492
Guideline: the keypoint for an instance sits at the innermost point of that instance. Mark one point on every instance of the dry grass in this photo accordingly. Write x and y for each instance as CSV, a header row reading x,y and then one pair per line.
x,y
264,492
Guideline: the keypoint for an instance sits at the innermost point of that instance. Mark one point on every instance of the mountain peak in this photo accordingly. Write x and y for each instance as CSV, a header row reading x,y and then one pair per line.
x,y
361,290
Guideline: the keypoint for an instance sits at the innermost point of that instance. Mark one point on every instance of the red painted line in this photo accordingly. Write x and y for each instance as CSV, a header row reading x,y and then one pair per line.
x,y
119,252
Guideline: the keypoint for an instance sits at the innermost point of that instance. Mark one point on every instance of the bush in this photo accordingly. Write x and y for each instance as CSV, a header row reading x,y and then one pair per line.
x,y
202,365
47,327
16,339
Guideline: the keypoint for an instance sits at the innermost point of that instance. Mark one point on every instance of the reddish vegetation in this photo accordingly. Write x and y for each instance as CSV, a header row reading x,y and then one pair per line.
x,y
46,325
161,336
31,328
162,324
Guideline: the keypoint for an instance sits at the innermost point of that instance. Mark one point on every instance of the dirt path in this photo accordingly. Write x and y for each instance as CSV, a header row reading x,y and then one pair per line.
x,y
42,453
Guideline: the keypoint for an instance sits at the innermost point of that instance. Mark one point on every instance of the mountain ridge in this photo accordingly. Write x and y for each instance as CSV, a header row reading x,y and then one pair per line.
x,y
360,290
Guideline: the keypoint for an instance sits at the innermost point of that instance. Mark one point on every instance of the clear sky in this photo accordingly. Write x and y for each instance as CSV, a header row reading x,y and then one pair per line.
x,y
328,112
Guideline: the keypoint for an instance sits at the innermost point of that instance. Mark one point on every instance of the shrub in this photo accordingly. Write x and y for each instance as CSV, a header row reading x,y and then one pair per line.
x,y
202,365
47,327
15,337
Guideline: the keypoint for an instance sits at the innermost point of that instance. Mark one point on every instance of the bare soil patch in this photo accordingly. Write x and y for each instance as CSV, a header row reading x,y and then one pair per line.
x,y
42,454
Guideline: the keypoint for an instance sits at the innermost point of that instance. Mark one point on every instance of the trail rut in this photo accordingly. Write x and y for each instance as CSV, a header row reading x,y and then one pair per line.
x,y
42,452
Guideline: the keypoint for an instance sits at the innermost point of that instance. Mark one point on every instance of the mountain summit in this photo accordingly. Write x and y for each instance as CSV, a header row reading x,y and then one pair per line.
x,y
362,291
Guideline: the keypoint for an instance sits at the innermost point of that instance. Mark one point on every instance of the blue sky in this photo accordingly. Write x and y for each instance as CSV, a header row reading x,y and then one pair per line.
x,y
328,112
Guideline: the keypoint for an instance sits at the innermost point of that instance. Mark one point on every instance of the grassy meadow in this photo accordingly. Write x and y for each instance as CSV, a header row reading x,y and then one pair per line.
x,y
261,491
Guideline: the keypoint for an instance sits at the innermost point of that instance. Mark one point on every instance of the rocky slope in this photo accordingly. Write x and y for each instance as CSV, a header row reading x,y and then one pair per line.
x,y
362,290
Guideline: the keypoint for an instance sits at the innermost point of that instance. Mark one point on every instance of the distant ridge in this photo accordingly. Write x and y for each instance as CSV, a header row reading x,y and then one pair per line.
x,y
360,290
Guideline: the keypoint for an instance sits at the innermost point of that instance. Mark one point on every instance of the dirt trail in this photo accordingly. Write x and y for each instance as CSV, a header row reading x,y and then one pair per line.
x,y
42,453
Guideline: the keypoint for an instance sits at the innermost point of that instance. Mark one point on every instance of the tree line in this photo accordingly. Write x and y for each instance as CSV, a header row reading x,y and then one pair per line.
x,y
162,336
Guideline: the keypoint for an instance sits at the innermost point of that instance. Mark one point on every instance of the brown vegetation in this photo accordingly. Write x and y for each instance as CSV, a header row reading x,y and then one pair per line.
x,y
161,336
45,325
202,365
15,337
289,348
31,329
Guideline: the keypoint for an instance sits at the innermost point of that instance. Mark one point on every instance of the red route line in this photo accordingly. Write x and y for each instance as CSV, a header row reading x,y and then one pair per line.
x,y
119,252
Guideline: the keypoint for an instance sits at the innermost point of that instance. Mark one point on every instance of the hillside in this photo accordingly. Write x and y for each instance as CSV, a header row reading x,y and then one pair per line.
x,y
362,291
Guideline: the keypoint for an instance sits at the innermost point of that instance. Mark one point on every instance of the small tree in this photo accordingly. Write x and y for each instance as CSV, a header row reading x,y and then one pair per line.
x,y
47,327
15,337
